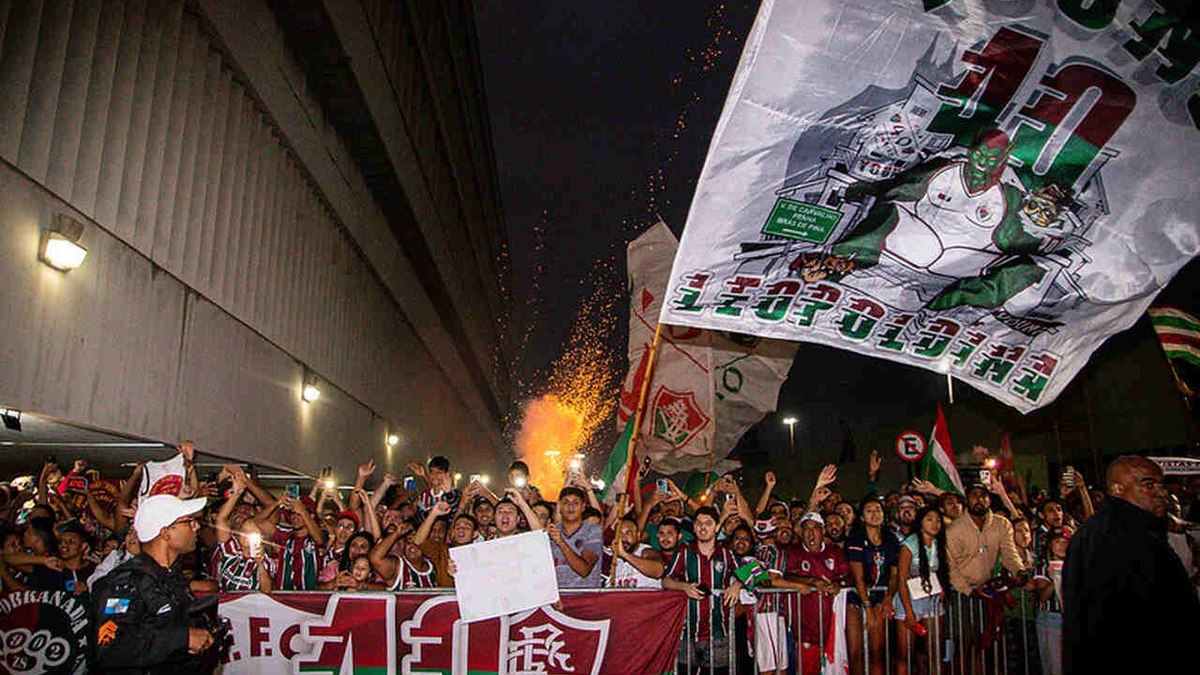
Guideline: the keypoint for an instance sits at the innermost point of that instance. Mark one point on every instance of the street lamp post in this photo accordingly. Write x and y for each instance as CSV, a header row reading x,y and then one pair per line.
x,y
791,425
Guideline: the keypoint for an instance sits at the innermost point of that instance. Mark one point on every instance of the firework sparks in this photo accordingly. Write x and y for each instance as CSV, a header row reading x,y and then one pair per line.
x,y
580,395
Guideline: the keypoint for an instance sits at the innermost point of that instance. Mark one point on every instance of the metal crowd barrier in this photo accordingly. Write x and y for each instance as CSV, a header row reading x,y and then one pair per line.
x,y
974,637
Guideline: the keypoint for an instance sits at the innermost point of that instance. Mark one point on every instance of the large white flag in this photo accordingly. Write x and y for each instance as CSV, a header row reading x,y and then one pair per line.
x,y
707,387
992,188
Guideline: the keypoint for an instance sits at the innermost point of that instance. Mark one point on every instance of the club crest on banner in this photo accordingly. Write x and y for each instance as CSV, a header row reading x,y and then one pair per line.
x,y
677,417
547,641
543,640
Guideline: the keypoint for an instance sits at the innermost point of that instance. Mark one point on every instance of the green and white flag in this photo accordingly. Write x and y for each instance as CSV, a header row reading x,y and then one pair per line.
x,y
990,187
616,480
938,464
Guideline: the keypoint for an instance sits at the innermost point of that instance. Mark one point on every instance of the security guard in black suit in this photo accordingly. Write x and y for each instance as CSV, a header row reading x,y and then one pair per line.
x,y
141,621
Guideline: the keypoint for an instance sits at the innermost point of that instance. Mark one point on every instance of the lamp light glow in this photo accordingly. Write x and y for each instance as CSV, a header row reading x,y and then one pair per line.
x,y
393,440
61,253
310,393
790,421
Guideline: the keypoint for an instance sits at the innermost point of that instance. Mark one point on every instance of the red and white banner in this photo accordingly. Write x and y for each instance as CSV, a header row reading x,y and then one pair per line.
x,y
162,478
377,633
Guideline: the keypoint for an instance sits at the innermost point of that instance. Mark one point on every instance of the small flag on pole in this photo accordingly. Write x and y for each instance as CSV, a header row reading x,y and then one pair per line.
x,y
937,466
1179,333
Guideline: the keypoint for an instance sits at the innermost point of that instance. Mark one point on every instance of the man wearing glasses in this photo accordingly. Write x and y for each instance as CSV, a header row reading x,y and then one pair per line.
x,y
140,617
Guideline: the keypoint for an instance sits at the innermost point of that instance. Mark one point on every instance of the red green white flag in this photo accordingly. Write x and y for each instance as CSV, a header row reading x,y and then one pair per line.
x,y
1179,333
937,466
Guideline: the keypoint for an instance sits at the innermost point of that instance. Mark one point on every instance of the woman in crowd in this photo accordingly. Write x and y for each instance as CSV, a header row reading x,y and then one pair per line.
x,y
923,573
358,546
1048,581
873,555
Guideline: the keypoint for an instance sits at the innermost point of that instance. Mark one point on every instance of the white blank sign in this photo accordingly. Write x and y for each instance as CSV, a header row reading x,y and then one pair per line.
x,y
504,576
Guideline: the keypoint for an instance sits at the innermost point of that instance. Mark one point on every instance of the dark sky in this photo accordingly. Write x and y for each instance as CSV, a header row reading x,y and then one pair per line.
x,y
602,114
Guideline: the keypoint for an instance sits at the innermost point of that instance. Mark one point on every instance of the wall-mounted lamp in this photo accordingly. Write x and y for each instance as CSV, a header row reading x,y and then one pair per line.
x,y
12,419
310,392
60,247
393,440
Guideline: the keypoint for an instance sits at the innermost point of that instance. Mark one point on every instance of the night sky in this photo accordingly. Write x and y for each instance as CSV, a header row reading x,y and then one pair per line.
x,y
602,114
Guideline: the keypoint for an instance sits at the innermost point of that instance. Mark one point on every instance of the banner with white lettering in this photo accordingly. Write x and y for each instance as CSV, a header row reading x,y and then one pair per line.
x,y
43,632
988,187
383,633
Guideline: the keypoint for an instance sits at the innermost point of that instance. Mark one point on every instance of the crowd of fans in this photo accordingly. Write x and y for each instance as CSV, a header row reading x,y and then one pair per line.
x,y
901,552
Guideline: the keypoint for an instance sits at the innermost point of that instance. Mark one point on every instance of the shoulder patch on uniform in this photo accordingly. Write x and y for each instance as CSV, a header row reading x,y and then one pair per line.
x,y
107,633
116,606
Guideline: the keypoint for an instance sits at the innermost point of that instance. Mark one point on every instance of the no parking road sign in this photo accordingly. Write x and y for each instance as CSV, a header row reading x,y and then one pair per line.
x,y
910,446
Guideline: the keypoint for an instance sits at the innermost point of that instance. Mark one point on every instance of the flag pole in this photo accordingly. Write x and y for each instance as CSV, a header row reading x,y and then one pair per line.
x,y
1185,393
630,465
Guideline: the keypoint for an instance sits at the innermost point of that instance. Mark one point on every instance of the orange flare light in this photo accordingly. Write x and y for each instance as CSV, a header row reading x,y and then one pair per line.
x,y
576,412
550,432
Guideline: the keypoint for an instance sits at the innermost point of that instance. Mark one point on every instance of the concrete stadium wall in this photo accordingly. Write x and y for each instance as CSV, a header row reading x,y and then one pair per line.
x,y
217,272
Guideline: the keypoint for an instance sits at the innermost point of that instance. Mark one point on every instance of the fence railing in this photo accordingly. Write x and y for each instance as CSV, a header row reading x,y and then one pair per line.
x,y
784,632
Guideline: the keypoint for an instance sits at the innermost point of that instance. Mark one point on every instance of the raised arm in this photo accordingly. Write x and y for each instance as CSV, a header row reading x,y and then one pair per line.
x,y
687,501
927,488
1085,497
370,520
264,497
827,476
743,507
466,505
129,488
644,514
531,517
365,471
873,465
996,485
43,484
440,508
235,496
386,565
102,515
418,469
386,484
765,498
188,450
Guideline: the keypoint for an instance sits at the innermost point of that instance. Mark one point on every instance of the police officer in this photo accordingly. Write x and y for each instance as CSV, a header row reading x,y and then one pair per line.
x,y
140,619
